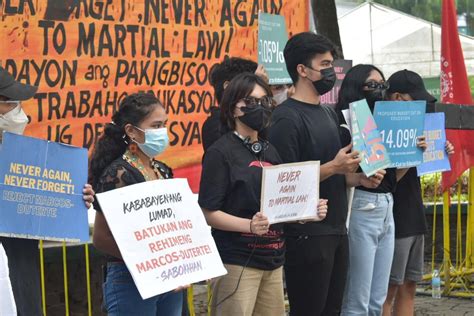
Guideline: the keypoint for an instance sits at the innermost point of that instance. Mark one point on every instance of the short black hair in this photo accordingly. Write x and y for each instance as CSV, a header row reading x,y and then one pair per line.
x,y
226,71
240,87
302,47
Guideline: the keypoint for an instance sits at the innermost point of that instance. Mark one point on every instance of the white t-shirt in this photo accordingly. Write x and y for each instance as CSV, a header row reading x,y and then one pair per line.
x,y
7,301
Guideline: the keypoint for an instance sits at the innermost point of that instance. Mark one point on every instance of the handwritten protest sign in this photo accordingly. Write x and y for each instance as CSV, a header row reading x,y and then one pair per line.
x,y
41,186
290,192
366,139
435,158
272,38
400,124
162,235
86,56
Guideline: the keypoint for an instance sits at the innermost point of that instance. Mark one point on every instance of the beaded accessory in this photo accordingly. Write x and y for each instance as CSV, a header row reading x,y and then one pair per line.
x,y
135,162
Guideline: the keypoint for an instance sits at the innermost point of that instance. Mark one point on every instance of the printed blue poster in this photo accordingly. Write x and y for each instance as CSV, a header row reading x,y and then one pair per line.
x,y
435,158
400,124
41,186
272,38
366,139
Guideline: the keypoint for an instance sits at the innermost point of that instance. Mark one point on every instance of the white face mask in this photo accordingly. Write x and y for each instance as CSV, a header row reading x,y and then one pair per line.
x,y
281,97
14,121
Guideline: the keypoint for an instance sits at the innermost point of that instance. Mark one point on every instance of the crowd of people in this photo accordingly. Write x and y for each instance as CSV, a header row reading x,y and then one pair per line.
x,y
369,267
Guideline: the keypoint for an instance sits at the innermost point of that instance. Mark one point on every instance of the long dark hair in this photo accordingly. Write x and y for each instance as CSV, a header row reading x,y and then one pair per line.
x,y
239,88
352,87
112,144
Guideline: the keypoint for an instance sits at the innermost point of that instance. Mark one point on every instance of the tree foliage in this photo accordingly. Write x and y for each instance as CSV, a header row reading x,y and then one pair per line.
x,y
429,10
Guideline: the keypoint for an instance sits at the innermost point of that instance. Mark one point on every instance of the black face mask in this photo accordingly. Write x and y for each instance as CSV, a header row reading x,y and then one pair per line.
x,y
257,119
326,83
373,96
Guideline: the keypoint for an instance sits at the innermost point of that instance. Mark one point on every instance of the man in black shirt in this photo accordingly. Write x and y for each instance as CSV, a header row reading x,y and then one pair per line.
x,y
221,74
408,211
303,130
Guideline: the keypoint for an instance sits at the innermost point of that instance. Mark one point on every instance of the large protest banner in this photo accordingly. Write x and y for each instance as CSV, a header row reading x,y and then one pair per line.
x,y
41,190
290,192
163,237
87,55
400,124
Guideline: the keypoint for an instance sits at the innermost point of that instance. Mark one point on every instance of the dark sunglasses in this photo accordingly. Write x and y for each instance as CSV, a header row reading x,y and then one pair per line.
x,y
253,103
377,85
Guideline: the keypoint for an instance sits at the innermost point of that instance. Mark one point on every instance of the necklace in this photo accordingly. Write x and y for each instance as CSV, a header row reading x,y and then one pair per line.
x,y
135,162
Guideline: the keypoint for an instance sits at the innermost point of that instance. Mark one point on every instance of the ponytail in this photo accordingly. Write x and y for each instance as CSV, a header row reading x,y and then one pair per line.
x,y
108,148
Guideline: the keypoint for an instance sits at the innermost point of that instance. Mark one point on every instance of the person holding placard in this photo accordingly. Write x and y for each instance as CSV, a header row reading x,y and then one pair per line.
x,y
123,156
23,255
252,251
220,76
408,211
304,130
371,225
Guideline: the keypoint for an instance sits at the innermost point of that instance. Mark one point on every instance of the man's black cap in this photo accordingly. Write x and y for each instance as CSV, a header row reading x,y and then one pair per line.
x,y
406,81
14,90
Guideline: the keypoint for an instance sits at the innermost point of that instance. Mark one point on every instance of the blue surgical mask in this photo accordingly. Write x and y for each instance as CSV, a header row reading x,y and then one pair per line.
x,y
156,141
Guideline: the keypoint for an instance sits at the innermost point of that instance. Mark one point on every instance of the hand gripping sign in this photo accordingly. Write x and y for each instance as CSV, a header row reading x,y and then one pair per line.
x,y
162,235
290,192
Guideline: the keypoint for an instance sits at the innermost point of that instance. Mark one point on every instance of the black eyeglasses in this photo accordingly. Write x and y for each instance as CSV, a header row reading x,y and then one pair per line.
x,y
252,102
377,85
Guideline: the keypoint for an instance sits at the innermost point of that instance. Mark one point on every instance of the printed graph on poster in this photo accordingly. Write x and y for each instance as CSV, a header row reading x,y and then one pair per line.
x,y
401,123
366,139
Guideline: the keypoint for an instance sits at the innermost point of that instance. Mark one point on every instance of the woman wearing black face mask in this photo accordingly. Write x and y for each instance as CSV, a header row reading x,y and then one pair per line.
x,y
371,225
252,251
361,82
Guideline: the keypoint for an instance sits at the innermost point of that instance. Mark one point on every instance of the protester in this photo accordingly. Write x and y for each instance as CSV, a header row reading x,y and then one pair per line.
x,y
281,92
371,226
221,74
23,254
408,211
303,130
123,156
252,251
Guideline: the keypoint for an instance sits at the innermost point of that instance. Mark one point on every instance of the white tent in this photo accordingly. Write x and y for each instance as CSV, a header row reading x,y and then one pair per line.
x,y
375,34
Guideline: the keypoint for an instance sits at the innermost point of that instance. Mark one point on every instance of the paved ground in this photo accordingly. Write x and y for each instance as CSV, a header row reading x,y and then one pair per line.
x,y
424,305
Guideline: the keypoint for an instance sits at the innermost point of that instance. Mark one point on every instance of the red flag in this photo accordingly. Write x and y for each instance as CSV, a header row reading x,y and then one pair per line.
x,y
455,89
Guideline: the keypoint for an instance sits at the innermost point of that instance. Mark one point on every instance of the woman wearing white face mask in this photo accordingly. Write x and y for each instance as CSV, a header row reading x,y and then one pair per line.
x,y
13,121
12,117
124,155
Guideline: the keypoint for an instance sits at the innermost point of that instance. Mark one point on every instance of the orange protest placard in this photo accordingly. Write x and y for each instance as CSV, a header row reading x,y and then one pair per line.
x,y
86,55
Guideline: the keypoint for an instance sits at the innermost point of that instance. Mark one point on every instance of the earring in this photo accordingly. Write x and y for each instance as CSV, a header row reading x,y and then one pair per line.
x,y
133,148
